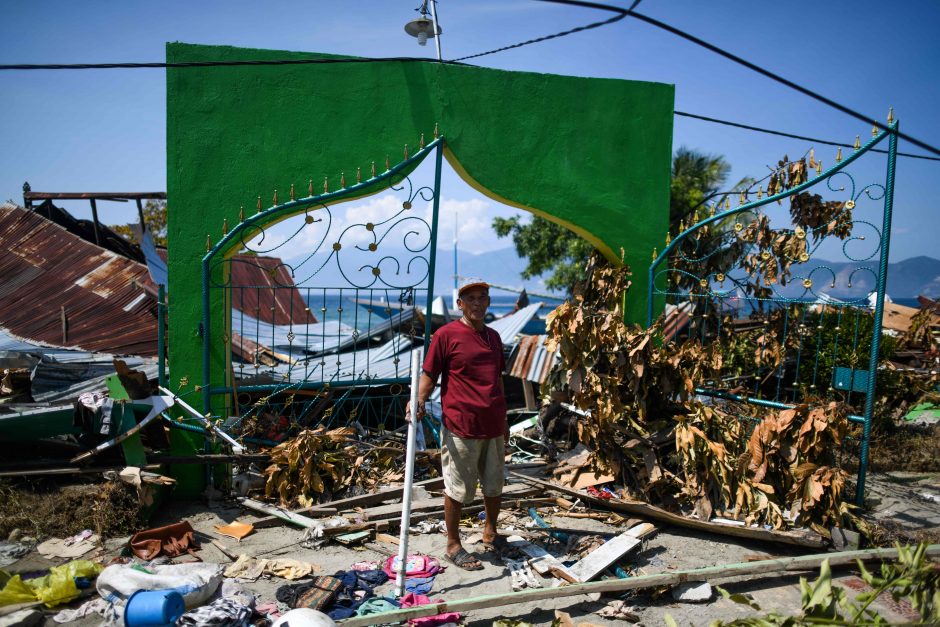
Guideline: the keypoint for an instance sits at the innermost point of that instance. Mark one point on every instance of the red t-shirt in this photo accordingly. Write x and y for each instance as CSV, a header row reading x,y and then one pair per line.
x,y
470,365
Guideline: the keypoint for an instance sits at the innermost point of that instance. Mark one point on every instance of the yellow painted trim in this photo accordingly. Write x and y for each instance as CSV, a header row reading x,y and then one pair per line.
x,y
590,237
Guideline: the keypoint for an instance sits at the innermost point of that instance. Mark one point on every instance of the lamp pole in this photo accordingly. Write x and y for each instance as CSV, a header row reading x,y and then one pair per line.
x,y
437,36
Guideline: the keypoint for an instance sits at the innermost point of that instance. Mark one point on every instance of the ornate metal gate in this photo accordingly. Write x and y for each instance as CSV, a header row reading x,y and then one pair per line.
x,y
310,338
812,329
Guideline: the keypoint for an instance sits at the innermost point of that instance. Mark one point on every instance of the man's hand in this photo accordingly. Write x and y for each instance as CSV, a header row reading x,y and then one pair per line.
x,y
420,411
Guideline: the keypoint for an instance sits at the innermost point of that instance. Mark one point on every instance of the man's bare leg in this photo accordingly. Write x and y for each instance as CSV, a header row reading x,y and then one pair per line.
x,y
492,505
452,511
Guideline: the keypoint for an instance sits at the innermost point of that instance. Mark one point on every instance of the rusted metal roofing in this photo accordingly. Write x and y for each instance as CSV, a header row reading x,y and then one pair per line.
x,y
263,288
59,290
531,360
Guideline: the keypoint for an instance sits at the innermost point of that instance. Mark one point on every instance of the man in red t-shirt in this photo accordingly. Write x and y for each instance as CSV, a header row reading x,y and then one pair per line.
x,y
468,358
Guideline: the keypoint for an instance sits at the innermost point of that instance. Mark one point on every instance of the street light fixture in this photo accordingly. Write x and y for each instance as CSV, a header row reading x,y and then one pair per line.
x,y
425,26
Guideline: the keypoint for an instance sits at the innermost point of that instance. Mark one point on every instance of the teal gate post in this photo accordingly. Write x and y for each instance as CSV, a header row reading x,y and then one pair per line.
x,y
361,284
831,344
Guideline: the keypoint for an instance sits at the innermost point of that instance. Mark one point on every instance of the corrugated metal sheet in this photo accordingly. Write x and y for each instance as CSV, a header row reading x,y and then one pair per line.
x,y
44,268
264,288
530,359
510,326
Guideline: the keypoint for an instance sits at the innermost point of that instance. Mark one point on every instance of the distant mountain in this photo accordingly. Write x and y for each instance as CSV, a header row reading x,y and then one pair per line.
x,y
501,267
906,279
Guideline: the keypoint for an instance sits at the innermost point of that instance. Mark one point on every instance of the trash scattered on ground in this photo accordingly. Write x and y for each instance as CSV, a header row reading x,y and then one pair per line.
x,y
236,529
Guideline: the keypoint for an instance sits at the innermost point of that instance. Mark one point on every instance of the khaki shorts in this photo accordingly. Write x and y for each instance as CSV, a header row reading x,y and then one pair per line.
x,y
466,461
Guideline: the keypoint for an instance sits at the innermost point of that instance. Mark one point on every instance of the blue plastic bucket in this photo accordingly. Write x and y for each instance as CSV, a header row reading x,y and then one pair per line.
x,y
153,608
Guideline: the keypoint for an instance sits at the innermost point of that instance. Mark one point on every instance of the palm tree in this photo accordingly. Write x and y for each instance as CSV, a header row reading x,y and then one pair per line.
x,y
696,177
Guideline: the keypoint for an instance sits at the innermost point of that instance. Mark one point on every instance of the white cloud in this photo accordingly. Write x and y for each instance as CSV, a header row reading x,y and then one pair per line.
x,y
474,219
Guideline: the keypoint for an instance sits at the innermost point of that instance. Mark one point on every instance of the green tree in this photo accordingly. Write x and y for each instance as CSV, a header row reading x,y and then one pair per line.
x,y
696,178
154,216
554,250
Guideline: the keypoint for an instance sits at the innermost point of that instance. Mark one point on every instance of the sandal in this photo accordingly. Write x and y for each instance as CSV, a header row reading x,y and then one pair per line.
x,y
501,547
467,561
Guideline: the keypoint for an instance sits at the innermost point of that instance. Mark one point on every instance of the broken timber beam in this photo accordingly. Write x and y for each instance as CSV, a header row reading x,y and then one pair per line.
x,y
363,500
645,510
710,573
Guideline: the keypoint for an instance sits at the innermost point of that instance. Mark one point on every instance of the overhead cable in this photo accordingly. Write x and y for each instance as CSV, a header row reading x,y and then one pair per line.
x,y
815,140
620,15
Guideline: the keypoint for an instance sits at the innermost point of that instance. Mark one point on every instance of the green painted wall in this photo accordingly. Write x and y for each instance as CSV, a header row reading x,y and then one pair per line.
x,y
592,154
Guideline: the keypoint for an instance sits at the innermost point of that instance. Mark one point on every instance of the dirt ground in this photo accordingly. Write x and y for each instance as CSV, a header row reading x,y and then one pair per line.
x,y
896,498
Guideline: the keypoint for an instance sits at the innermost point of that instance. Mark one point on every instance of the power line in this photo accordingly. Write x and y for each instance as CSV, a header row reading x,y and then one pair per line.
x,y
620,15
187,64
775,77
793,136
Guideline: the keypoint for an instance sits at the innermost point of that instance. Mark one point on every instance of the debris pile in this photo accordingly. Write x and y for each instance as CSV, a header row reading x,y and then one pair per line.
x,y
652,435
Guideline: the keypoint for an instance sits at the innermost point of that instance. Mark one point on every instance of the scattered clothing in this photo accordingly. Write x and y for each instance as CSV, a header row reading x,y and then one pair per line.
x,y
364,566
249,568
377,605
11,552
316,594
411,600
92,606
419,585
233,608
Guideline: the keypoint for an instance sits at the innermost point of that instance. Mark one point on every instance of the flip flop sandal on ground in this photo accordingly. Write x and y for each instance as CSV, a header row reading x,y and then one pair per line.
x,y
500,546
465,560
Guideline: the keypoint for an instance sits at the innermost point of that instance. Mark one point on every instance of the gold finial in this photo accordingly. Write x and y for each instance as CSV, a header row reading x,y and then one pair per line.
x,y
388,164
292,195
812,155
421,143
225,227
874,130
437,131
373,169
259,204
654,254
727,202
241,214
760,192
890,115
839,155
858,142
682,225
695,217
711,212
310,187
275,198
326,185
208,243
668,238
342,180
406,153
819,167
742,199
358,175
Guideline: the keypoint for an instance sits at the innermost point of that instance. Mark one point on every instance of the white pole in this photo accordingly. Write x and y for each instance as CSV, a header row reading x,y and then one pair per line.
x,y
417,356
437,34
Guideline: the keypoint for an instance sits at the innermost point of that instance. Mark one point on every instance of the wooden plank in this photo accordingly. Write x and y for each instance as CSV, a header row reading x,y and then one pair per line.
x,y
394,510
645,510
710,573
279,512
363,500
597,561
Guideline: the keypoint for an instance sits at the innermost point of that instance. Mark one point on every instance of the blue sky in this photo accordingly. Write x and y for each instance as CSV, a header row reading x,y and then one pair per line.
x,y
104,130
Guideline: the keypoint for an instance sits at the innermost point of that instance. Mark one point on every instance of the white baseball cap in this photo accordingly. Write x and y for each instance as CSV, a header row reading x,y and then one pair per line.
x,y
468,282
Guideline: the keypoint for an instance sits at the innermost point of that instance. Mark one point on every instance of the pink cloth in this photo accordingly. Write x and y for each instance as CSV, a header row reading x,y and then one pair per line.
x,y
411,599
417,566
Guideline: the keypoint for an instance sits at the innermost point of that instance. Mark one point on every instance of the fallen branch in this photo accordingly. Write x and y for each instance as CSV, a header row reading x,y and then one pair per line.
x,y
797,537
801,563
